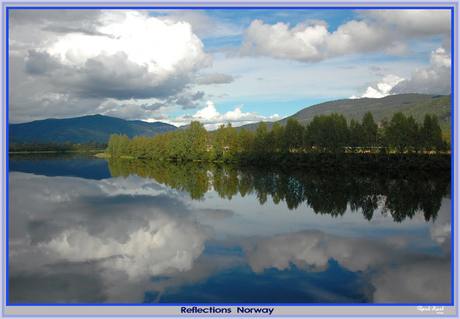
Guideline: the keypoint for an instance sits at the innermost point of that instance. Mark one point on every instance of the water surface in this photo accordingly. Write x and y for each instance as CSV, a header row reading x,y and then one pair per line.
x,y
121,231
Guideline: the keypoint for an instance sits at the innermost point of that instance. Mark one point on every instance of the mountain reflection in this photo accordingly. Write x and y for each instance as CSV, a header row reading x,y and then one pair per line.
x,y
399,194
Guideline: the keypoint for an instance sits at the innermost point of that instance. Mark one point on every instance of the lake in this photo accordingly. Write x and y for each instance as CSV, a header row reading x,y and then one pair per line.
x,y
96,231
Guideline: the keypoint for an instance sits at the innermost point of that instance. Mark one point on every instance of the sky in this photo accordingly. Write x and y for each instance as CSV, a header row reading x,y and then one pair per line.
x,y
219,65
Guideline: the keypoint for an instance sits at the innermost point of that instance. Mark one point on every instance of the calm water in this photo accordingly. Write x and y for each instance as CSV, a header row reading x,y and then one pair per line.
x,y
91,231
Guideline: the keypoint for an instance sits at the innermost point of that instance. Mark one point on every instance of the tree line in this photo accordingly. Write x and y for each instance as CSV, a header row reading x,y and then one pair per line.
x,y
325,134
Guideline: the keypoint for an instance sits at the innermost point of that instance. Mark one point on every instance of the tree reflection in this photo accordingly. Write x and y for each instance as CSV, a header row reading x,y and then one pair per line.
x,y
400,194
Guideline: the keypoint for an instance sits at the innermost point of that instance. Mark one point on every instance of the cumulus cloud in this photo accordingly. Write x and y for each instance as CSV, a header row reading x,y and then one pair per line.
x,y
435,79
119,55
310,41
383,87
212,118
413,22
203,25
300,43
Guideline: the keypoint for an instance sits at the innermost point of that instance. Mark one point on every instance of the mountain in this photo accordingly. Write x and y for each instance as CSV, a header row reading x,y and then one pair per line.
x,y
413,104
95,128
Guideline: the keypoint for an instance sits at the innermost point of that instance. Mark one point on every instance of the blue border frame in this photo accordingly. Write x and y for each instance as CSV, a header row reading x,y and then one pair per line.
x,y
180,6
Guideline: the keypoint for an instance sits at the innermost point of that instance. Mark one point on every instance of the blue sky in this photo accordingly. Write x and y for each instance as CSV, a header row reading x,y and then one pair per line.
x,y
222,65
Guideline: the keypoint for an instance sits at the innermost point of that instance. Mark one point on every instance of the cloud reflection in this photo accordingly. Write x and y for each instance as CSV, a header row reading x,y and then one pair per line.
x,y
398,274
74,220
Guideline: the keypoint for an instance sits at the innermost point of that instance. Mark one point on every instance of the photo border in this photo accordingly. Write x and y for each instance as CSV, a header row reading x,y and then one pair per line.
x,y
288,310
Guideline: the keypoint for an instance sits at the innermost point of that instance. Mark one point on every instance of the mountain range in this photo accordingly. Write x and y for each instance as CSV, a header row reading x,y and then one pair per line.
x,y
91,128
98,128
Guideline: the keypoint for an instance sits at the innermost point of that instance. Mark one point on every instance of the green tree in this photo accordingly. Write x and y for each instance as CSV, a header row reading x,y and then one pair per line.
x,y
259,145
195,142
245,140
356,135
413,134
113,146
369,131
431,133
218,143
278,132
293,136
397,132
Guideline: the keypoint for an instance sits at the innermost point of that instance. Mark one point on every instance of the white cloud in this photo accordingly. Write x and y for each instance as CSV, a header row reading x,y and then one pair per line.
x,y
380,30
383,87
435,79
163,48
212,118
116,54
300,43
203,25
357,37
311,41
413,22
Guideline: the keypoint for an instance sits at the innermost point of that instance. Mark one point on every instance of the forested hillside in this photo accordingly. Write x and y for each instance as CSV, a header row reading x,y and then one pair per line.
x,y
416,105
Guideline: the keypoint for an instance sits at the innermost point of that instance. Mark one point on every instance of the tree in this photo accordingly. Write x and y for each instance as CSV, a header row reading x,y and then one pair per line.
x,y
245,139
278,133
397,132
413,133
218,143
231,143
369,131
356,134
113,147
431,133
196,142
260,139
293,136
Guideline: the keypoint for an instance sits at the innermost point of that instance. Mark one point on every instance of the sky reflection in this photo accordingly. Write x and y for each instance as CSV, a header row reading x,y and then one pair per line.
x,y
133,240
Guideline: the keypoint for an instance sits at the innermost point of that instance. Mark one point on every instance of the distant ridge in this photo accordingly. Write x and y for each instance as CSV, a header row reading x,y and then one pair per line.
x,y
413,104
91,128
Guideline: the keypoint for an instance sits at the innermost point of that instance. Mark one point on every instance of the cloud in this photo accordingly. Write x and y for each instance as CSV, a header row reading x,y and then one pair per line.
x,y
311,41
119,55
413,22
203,25
383,87
215,78
300,43
435,79
432,80
212,119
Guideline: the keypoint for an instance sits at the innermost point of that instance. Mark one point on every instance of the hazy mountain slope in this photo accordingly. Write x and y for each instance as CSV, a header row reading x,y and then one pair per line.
x,y
96,128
